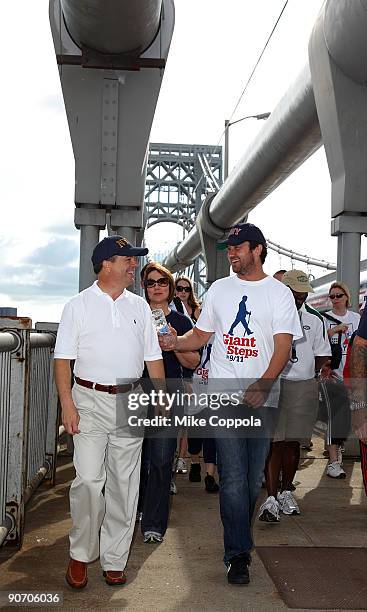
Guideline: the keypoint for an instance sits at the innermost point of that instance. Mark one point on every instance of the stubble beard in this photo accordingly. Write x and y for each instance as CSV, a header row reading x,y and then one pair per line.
x,y
244,268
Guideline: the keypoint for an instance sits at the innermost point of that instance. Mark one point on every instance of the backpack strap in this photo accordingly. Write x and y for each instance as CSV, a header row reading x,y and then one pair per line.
x,y
334,320
193,318
330,318
179,305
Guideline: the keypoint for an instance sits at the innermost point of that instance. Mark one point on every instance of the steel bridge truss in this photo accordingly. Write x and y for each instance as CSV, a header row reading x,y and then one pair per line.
x,y
178,179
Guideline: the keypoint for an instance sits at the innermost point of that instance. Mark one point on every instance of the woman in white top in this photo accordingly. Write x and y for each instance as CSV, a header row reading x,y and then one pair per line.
x,y
339,296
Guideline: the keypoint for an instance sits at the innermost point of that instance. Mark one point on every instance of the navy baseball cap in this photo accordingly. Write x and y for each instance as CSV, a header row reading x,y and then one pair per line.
x,y
240,233
115,245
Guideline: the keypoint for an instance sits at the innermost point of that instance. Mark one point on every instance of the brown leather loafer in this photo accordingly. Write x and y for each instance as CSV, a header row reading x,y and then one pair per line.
x,y
76,575
114,578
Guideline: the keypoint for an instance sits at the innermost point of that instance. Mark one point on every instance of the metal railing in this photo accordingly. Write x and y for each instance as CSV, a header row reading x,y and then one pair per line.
x,y
28,421
7,344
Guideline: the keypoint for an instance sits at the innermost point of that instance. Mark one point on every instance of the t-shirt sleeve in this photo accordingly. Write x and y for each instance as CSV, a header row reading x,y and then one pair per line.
x,y
321,344
357,318
152,350
206,320
286,318
362,328
67,334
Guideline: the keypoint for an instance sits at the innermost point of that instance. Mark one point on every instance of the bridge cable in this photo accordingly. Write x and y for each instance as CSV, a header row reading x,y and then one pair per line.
x,y
248,81
257,63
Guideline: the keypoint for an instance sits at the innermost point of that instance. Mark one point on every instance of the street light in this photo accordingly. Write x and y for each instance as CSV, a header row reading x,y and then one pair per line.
x,y
227,125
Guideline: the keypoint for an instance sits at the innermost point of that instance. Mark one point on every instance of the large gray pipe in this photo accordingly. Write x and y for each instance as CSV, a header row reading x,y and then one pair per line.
x,y
290,135
345,36
113,26
288,138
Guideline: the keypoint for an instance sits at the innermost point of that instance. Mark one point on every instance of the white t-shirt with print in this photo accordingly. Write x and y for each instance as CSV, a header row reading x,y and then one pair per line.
x,y
199,380
245,316
352,320
314,343
200,376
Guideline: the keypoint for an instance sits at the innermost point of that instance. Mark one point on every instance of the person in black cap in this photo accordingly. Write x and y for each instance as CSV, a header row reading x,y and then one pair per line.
x,y
109,333
242,355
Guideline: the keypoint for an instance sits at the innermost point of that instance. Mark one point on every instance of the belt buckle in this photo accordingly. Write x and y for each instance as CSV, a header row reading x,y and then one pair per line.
x,y
110,389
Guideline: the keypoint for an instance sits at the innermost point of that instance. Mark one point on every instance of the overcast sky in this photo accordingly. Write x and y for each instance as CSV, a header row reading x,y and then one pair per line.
x,y
215,46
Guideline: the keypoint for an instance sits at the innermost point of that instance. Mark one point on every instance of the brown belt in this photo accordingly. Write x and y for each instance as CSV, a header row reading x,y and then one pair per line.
x,y
112,389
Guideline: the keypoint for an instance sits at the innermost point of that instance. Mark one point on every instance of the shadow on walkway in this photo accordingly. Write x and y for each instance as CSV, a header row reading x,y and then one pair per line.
x,y
185,572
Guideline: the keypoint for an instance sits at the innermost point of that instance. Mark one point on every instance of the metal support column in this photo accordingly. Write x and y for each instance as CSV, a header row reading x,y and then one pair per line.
x,y
348,229
89,237
111,58
128,232
337,54
349,257
90,221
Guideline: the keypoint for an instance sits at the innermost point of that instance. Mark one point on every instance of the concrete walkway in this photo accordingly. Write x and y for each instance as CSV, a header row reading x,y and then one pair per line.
x,y
185,572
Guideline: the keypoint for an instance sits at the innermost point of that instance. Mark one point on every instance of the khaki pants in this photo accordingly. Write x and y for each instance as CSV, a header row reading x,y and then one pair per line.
x,y
103,524
298,406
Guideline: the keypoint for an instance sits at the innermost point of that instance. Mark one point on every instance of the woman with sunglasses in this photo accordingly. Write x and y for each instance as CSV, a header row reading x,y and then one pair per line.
x,y
185,292
185,301
159,452
346,322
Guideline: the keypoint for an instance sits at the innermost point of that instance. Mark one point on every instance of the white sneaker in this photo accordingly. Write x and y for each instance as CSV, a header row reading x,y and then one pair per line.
x,y
335,470
287,503
269,511
173,488
181,467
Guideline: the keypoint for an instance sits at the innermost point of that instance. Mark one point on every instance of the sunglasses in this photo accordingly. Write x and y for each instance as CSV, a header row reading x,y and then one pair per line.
x,y
161,282
335,296
181,288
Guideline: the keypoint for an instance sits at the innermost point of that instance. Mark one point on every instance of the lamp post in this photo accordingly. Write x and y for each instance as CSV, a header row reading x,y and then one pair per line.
x,y
227,125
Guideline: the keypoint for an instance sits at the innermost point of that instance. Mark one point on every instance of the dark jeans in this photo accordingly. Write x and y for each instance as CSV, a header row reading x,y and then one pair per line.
x,y
241,463
339,419
194,446
156,472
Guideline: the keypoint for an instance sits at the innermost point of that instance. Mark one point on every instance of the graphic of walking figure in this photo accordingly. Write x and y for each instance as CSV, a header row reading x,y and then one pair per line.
x,y
241,318
207,358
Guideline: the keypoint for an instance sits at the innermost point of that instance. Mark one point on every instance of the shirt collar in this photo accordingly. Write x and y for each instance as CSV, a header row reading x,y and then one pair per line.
x,y
98,291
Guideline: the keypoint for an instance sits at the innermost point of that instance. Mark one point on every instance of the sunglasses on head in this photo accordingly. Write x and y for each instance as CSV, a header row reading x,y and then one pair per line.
x,y
182,288
161,282
335,296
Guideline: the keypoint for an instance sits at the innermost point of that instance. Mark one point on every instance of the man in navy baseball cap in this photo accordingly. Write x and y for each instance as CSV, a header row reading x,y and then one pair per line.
x,y
109,333
115,245
242,232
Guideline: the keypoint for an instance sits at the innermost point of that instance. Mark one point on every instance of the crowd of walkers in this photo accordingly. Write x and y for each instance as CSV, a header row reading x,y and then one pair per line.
x,y
256,333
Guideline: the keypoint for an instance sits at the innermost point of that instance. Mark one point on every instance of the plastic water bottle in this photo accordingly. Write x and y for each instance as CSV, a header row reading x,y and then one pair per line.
x,y
160,321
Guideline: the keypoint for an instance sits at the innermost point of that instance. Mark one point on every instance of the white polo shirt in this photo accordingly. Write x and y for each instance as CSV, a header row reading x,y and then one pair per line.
x,y
314,343
109,339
